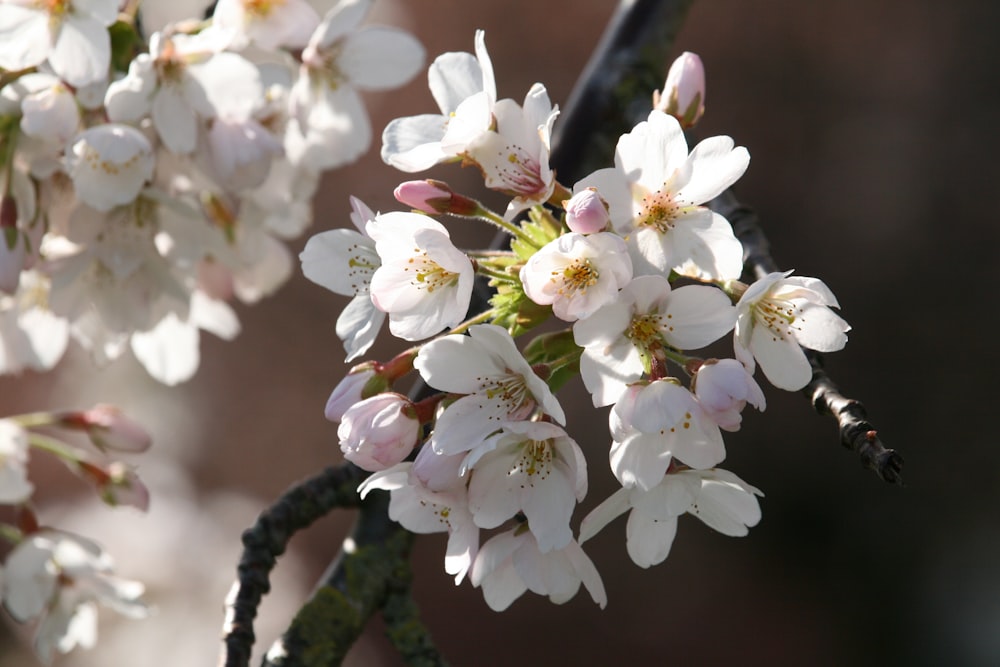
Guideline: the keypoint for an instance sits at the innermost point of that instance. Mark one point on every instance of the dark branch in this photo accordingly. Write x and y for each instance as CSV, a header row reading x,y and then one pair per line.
x,y
856,432
267,539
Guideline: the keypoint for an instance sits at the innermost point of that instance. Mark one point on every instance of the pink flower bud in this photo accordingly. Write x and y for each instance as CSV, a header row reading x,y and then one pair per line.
x,y
360,383
109,428
684,90
118,485
586,212
723,389
431,196
379,432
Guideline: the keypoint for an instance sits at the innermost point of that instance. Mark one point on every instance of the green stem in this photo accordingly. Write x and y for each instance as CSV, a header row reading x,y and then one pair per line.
x,y
11,533
490,272
509,227
484,316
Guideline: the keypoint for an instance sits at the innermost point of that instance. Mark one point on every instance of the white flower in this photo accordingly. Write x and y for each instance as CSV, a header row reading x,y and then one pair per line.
x,y
31,336
109,165
514,158
422,510
723,388
532,467
652,425
169,84
654,193
378,432
170,351
49,110
71,34
621,338
424,282
344,261
465,91
577,274
511,563
60,578
340,60
14,485
499,386
779,313
267,24
719,498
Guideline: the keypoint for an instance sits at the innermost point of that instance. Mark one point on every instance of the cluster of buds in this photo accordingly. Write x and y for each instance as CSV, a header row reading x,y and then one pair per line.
x,y
143,186
51,576
639,271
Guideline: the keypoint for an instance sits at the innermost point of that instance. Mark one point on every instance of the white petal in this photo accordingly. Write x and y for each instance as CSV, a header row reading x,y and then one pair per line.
x,y
648,540
413,143
25,35
453,77
782,360
697,315
175,120
819,328
82,51
331,259
169,352
358,326
613,507
713,166
380,58
342,18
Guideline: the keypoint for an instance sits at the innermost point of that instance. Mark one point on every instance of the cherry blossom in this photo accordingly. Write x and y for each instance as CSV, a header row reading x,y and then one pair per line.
x,y
654,424
586,212
684,90
511,563
498,384
109,165
719,498
71,35
424,282
60,578
577,274
724,387
14,484
778,314
465,91
344,261
654,193
269,25
621,338
530,467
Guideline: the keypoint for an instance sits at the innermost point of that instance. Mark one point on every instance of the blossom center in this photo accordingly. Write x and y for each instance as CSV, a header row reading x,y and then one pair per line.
x,y
428,274
660,210
535,460
576,277
510,394
261,8
778,316
519,173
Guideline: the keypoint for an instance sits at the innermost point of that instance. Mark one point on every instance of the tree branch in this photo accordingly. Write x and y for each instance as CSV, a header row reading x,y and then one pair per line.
x,y
267,539
856,432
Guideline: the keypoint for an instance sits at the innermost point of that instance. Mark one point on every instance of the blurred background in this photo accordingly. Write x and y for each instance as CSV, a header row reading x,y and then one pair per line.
x,y
871,128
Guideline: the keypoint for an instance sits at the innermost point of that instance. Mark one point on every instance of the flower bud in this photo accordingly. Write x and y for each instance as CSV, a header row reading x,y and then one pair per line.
x,y
586,212
431,196
108,428
118,485
379,432
684,90
723,389
361,382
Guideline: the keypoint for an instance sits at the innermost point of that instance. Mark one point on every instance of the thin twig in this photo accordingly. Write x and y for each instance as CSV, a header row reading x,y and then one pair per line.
x,y
856,432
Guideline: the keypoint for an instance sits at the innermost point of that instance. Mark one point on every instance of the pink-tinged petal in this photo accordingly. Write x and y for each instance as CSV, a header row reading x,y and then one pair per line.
x,y
819,328
502,587
452,78
782,360
413,144
466,423
614,189
652,151
648,540
389,479
610,509
358,326
82,51
727,508
380,58
493,491
169,352
713,166
25,35
175,120
588,574
341,20
697,315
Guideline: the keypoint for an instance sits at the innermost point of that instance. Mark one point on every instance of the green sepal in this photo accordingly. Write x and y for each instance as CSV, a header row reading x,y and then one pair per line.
x,y
10,235
541,228
124,45
514,310
551,347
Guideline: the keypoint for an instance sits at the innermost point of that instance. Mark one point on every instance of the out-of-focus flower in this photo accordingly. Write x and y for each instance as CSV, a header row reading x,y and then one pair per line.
x,y
109,165
109,428
269,25
14,484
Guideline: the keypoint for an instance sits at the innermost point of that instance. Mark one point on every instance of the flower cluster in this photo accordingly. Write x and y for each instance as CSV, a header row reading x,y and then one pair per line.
x,y
50,576
144,186
640,271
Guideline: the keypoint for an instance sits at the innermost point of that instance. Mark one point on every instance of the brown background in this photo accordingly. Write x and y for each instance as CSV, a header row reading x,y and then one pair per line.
x,y
872,131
